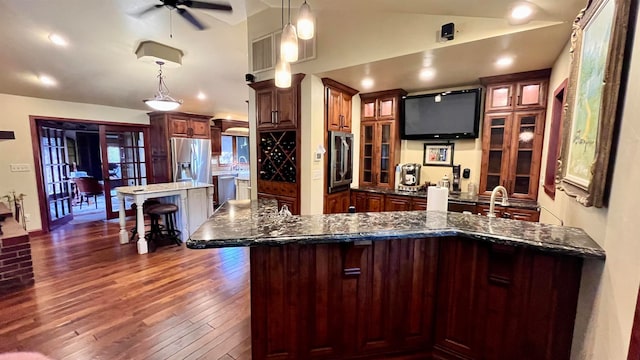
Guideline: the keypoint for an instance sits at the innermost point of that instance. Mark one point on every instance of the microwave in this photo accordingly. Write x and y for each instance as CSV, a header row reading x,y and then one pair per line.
x,y
340,160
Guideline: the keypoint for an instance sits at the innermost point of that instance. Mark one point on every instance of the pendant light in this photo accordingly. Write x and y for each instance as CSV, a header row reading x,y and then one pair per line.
x,y
283,74
162,101
305,25
289,40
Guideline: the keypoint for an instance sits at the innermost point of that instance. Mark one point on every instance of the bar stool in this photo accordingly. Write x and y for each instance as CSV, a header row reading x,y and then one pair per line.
x,y
145,208
158,236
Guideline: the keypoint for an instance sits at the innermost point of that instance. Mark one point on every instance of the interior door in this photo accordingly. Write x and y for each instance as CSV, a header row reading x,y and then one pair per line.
x,y
55,173
126,163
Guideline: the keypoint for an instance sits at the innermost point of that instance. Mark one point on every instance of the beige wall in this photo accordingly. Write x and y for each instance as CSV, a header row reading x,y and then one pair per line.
x,y
15,117
608,289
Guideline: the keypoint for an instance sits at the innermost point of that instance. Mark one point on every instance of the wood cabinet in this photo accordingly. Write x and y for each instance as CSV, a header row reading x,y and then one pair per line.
x,y
489,291
448,298
216,141
338,105
404,203
338,202
164,126
513,133
278,145
379,138
367,202
277,108
510,213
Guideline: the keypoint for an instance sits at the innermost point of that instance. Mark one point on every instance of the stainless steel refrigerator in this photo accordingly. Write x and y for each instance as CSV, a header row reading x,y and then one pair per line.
x,y
191,159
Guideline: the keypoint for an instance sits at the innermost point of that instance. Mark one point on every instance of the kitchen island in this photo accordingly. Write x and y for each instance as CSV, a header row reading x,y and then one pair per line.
x,y
404,284
194,201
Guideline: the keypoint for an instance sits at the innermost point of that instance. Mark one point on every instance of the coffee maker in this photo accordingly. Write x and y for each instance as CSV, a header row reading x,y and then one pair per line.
x,y
410,177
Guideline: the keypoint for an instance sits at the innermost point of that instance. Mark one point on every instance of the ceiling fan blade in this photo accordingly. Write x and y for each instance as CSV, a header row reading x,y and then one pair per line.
x,y
147,10
190,18
205,5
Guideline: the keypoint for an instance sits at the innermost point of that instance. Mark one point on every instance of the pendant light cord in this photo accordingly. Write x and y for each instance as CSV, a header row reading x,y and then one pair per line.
x,y
289,11
282,14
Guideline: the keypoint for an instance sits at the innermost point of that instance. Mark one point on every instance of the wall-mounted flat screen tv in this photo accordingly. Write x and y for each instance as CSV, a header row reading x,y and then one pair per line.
x,y
443,115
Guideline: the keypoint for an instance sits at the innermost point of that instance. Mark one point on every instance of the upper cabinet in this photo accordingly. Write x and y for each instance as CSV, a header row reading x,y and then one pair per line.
x,y
338,105
382,107
277,108
188,125
216,141
521,95
513,133
380,138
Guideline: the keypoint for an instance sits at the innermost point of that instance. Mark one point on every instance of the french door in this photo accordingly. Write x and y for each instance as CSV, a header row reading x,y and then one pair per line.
x,y
124,163
55,173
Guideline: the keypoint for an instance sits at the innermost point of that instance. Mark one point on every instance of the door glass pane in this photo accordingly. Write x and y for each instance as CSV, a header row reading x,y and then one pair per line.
x,y
55,171
522,185
368,134
523,166
126,164
495,162
369,109
226,156
492,181
500,97
386,107
497,137
386,133
530,94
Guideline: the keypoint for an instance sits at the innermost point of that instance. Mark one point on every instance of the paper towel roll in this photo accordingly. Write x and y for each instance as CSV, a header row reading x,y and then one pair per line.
x,y
437,198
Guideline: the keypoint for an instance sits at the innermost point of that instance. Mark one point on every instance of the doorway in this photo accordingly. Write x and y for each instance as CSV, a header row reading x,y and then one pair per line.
x,y
79,163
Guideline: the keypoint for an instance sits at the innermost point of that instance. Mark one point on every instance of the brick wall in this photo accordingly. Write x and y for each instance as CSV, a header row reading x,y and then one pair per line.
x,y
16,268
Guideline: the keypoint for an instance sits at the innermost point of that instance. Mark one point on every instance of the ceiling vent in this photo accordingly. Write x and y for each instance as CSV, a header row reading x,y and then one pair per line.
x,y
266,49
152,52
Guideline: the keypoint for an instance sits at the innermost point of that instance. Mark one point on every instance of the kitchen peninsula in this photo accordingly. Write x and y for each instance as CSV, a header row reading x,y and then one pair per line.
x,y
404,283
194,201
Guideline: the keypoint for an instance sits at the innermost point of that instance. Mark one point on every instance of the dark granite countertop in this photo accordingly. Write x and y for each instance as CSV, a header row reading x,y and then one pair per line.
x,y
461,197
257,223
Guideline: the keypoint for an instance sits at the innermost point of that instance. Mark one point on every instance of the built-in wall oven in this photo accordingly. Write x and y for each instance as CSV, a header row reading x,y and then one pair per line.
x,y
340,160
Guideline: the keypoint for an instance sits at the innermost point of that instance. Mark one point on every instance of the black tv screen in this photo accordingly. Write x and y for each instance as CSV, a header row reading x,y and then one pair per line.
x,y
443,115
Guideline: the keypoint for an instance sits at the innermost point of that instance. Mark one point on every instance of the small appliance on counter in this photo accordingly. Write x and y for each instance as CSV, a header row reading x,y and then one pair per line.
x,y
455,184
410,177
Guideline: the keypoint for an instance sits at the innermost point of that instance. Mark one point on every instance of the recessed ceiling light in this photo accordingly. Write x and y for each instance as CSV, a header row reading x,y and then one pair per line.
x,y
228,117
367,83
201,96
521,12
47,80
504,61
58,40
427,74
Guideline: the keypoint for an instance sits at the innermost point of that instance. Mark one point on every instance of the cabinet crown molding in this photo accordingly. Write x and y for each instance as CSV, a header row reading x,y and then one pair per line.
x,y
526,75
342,87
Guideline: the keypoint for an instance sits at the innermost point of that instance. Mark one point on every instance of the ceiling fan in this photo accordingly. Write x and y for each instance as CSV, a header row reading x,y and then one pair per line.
x,y
181,5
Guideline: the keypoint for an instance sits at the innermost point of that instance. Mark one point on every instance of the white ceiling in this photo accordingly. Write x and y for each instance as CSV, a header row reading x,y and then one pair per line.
x,y
99,65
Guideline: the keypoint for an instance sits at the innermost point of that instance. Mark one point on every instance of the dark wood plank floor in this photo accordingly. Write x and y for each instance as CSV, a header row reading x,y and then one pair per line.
x,y
96,299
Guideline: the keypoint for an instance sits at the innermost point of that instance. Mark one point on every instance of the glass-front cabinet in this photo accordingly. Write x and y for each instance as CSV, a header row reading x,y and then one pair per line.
x,y
513,133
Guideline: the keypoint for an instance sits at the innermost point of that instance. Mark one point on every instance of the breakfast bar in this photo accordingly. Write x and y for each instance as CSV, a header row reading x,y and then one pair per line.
x,y
404,284
194,200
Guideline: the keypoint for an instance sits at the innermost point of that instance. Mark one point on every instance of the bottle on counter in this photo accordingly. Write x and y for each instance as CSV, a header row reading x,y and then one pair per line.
x,y
444,182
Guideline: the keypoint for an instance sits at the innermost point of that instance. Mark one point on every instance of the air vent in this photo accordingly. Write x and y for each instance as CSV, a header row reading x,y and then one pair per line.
x,y
264,51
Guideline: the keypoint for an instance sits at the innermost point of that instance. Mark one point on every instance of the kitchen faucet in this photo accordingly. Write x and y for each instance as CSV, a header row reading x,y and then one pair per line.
x,y
505,199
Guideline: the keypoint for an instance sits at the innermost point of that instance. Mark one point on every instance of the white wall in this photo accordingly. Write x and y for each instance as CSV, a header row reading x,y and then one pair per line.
x,y
608,289
15,117
312,173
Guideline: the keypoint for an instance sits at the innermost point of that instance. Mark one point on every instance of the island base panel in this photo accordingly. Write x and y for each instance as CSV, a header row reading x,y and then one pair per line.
x,y
412,299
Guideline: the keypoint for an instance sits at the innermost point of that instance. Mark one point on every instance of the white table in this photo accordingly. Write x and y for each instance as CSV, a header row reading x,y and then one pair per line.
x,y
194,206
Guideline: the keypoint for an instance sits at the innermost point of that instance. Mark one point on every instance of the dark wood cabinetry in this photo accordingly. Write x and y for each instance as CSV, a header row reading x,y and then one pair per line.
x,y
404,203
164,126
338,105
513,133
367,202
510,213
379,138
337,202
216,141
278,108
278,117
442,298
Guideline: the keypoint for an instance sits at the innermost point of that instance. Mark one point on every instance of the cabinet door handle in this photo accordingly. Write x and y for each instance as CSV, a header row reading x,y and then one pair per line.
x,y
277,121
273,113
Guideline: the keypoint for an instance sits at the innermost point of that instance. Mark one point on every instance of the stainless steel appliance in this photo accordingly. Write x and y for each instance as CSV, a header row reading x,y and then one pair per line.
x,y
340,160
191,159
410,174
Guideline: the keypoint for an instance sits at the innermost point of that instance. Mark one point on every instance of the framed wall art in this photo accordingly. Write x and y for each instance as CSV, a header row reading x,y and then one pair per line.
x,y
438,154
593,93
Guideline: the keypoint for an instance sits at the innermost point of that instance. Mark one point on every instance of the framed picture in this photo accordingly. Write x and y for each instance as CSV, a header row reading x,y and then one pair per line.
x,y
438,155
597,56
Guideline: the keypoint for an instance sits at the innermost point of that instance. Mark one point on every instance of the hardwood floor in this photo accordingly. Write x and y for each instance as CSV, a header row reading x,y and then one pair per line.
x,y
96,299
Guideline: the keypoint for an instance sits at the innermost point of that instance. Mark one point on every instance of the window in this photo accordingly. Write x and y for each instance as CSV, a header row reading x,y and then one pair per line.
x,y
235,149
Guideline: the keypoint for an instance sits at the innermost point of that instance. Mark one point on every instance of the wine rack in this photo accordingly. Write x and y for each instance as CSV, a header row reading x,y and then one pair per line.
x,y
277,160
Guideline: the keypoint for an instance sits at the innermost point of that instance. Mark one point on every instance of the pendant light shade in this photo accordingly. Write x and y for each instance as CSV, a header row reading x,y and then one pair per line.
x,y
162,101
305,25
289,44
283,74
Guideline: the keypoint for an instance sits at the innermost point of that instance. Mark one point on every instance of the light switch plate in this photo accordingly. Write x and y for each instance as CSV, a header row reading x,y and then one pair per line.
x,y
20,168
